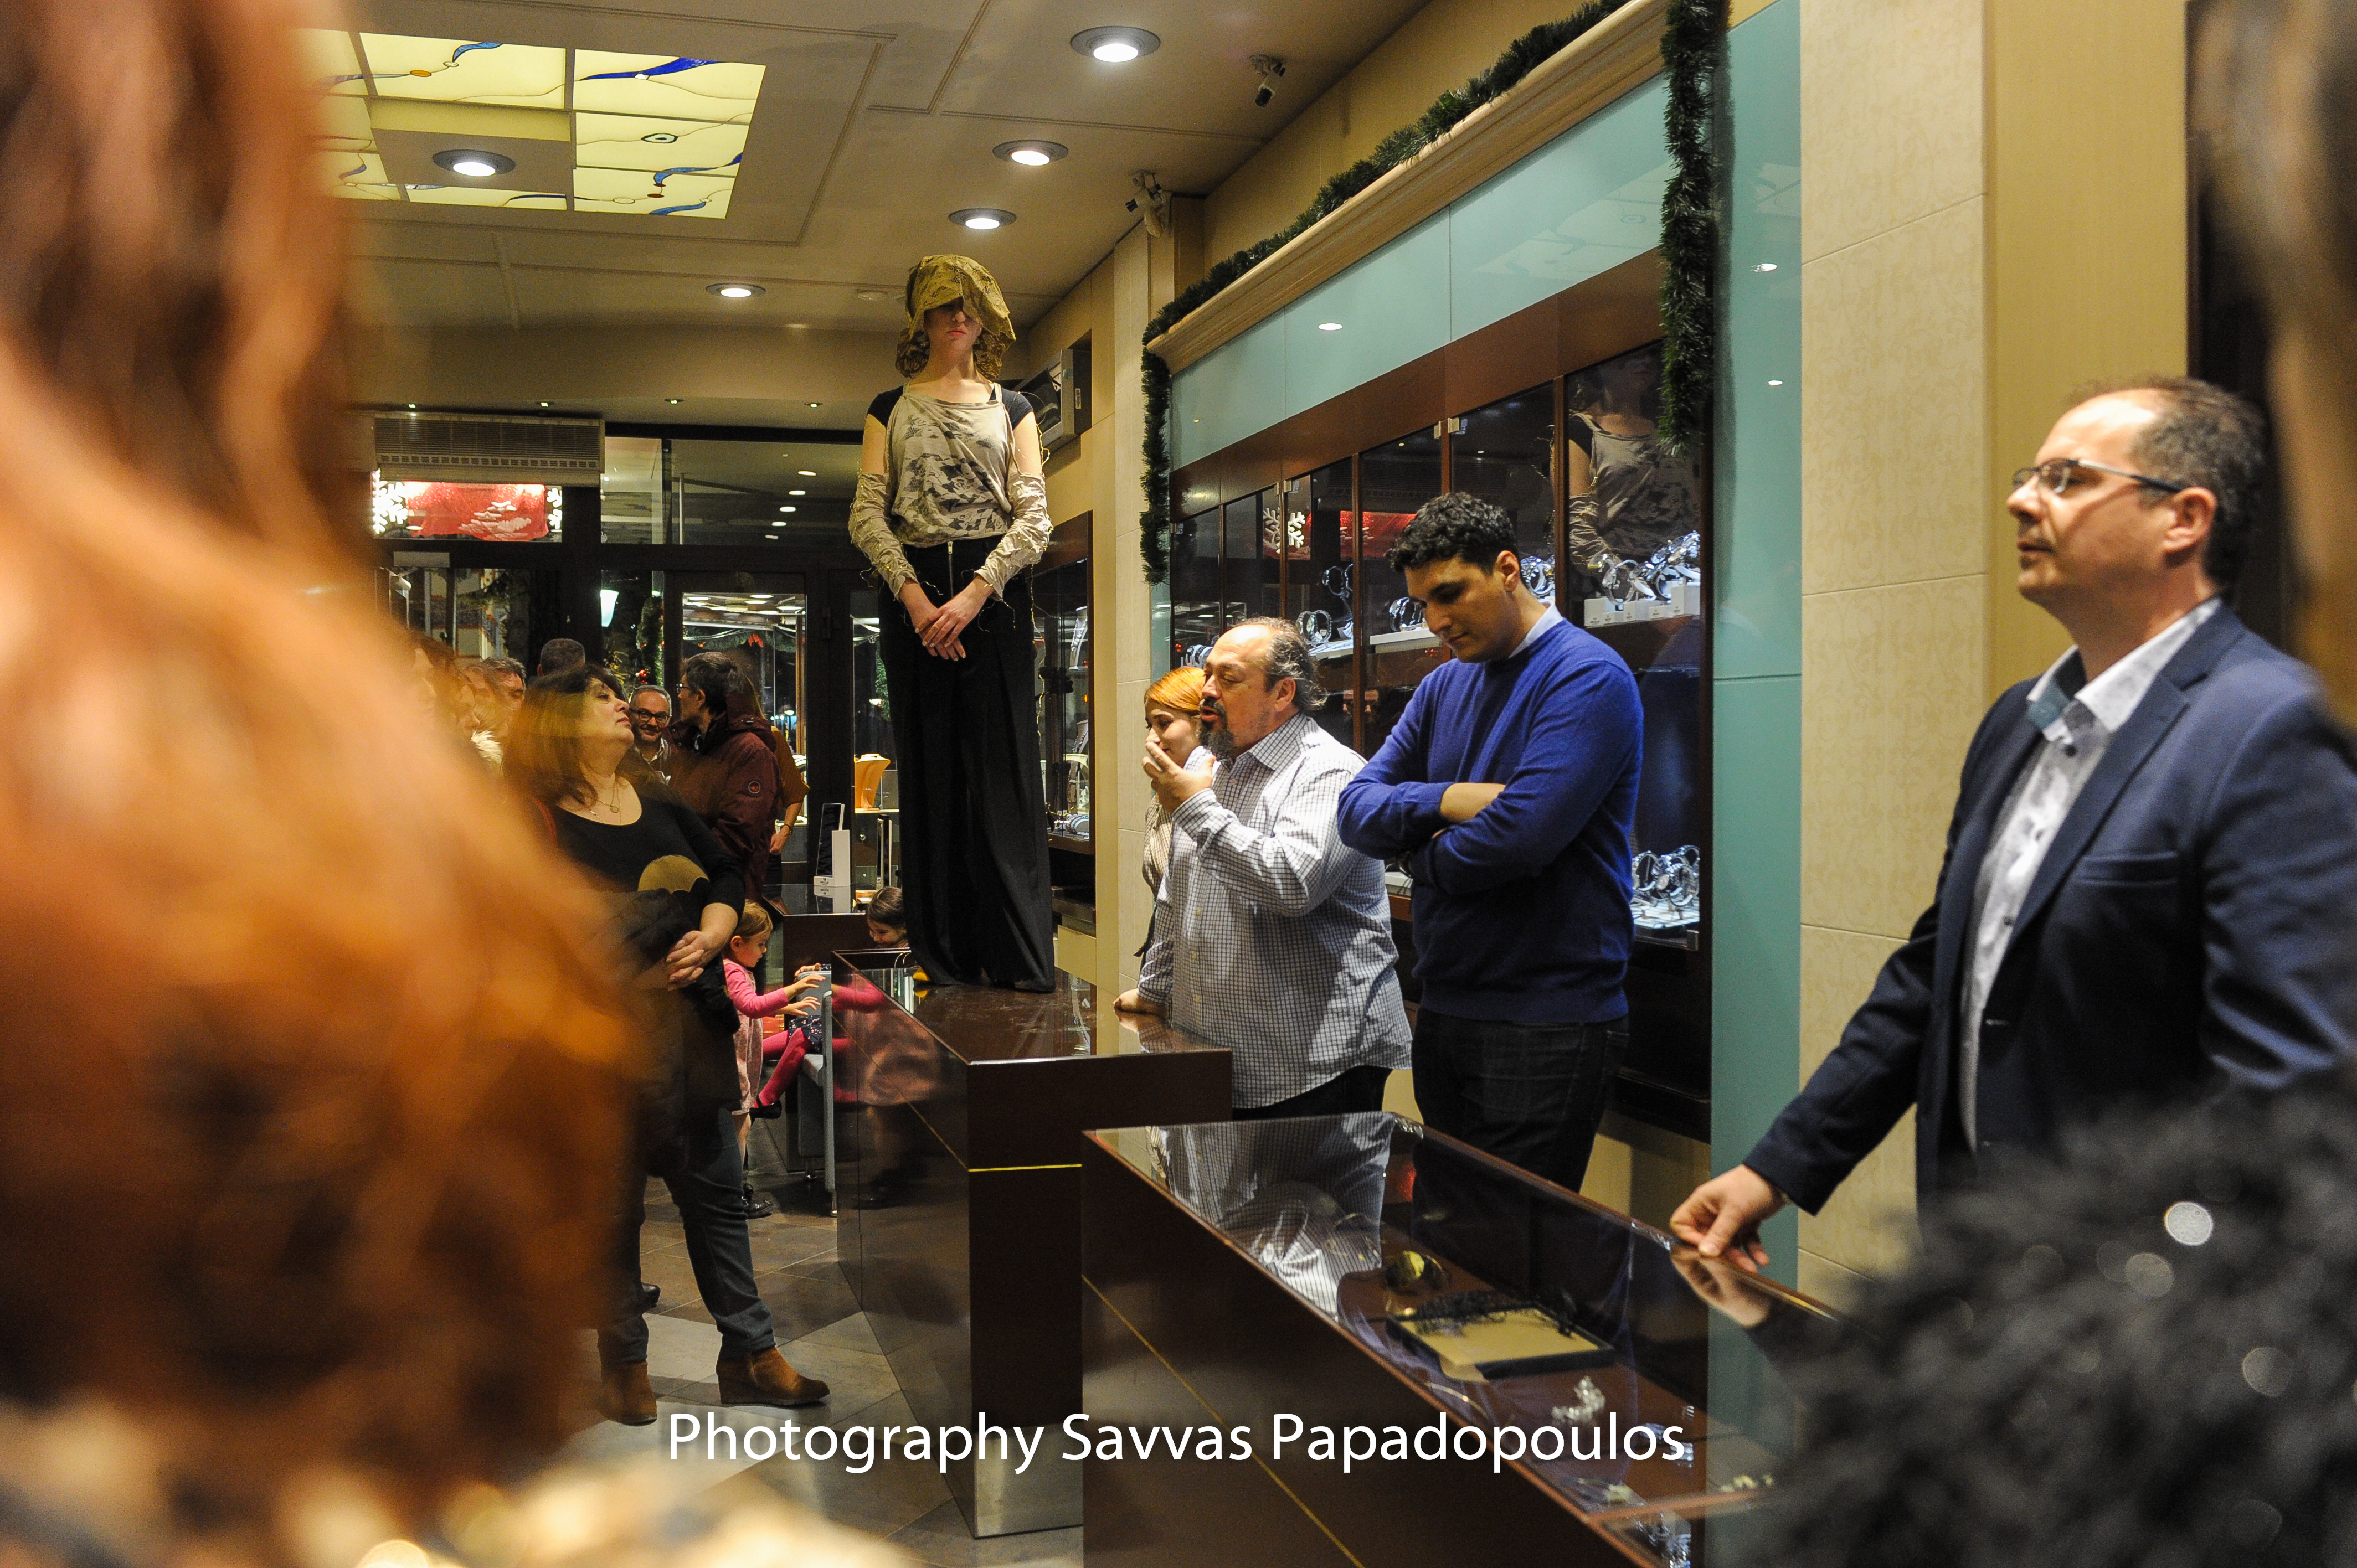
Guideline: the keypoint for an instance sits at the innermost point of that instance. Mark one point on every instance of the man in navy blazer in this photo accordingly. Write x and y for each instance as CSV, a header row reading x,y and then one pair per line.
x,y
2150,886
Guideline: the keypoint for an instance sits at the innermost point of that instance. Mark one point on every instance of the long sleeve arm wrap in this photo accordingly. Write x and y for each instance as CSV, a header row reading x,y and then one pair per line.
x,y
871,531
1027,536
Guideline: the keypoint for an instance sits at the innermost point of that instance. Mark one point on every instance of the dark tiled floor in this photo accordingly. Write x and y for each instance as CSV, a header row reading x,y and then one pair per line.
x,y
820,1331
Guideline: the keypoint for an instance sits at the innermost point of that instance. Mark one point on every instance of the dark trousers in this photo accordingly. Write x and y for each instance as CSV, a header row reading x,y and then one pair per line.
x,y
974,830
1531,1094
708,1186
1354,1090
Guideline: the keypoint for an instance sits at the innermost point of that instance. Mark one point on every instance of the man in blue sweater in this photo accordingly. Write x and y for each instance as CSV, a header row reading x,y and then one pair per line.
x,y
1508,785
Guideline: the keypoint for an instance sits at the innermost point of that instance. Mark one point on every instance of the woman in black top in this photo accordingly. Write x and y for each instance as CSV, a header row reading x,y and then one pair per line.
x,y
677,896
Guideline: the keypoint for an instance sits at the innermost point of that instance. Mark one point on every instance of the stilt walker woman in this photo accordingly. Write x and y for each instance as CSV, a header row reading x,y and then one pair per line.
x,y
951,509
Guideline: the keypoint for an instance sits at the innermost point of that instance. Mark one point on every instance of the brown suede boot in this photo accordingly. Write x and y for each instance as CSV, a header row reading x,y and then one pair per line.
x,y
766,1379
625,1395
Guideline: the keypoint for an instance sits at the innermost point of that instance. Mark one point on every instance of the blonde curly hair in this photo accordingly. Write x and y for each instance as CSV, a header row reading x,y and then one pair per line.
x,y
915,349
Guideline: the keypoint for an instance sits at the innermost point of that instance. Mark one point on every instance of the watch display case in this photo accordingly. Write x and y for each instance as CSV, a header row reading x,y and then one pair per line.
x,y
1550,414
1387,1275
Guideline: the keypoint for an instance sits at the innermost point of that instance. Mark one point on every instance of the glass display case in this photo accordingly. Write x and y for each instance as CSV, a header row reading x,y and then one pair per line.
x,y
1634,538
1194,588
1394,480
1060,638
1315,563
1630,1387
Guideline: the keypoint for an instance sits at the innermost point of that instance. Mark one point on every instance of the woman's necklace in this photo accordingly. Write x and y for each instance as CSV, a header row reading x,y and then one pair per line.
x,y
612,806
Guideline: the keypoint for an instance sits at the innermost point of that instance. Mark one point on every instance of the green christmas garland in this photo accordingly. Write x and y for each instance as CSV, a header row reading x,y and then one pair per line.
x,y
1689,231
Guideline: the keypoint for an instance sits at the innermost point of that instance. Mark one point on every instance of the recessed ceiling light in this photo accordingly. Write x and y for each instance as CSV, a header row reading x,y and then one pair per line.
x,y
1116,46
672,399
473,164
814,405
806,493
983,217
808,473
1031,155
1765,267
768,536
873,293
659,137
543,402
1775,383
734,290
785,509
1329,327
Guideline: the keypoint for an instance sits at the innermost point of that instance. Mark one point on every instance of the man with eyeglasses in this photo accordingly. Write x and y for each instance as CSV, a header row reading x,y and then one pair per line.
x,y
2150,886
650,719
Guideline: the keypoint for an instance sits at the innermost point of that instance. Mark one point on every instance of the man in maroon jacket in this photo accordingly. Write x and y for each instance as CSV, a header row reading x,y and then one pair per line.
x,y
723,761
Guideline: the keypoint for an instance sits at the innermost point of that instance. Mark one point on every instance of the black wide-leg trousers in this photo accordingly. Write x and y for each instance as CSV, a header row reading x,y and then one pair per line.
x,y
974,829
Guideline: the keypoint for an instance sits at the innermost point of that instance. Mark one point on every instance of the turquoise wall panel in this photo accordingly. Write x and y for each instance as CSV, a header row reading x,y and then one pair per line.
x,y
1757,472
1582,205
1756,689
1387,309
1228,394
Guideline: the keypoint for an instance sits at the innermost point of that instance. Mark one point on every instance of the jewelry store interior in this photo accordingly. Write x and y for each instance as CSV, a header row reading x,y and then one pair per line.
x,y
1259,332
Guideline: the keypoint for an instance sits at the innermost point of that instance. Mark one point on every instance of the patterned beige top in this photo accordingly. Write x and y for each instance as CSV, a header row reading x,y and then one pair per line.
x,y
949,476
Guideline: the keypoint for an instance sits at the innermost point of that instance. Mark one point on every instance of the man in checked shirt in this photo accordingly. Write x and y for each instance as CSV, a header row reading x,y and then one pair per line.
x,y
1270,936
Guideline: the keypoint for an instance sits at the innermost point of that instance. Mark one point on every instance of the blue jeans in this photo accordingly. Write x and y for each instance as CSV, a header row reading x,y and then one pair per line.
x,y
1531,1094
708,1186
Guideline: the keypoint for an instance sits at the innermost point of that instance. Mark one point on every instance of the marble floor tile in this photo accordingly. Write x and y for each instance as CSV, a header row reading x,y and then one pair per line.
x,y
850,1333
942,1539
889,1497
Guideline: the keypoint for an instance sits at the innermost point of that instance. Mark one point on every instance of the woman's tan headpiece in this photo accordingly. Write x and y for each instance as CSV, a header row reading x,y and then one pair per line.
x,y
945,280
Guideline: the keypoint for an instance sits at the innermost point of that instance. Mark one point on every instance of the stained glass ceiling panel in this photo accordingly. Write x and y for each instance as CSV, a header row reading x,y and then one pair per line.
x,y
665,85
638,141
460,71
653,135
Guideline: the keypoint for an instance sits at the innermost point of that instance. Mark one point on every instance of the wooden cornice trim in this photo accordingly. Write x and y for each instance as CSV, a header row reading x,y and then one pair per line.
x,y
1593,71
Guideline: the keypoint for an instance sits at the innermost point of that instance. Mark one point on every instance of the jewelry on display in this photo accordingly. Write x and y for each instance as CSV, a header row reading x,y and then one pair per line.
x,y
1406,614
1408,1267
1665,890
1538,575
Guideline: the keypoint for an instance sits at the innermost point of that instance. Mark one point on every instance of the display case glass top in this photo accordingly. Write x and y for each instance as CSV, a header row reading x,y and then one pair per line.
x,y
1657,1376
987,1023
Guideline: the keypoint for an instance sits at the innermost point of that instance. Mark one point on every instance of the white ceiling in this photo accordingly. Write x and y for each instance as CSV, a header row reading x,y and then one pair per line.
x,y
873,122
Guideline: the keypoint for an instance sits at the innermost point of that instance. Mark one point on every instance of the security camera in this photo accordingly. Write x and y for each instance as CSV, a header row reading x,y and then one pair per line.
x,y
1152,203
1269,67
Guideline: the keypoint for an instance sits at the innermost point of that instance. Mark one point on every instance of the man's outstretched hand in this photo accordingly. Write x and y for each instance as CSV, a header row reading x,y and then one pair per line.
x,y
1721,1217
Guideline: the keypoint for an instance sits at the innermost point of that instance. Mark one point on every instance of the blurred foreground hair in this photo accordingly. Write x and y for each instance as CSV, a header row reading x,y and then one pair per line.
x,y
2144,1355
310,1098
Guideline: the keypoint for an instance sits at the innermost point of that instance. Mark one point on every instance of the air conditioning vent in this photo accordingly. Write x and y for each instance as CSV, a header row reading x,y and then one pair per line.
x,y
490,448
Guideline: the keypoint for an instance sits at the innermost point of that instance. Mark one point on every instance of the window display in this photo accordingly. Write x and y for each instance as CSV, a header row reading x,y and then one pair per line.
x,y
1060,621
1394,480
1194,588
1634,532
1321,544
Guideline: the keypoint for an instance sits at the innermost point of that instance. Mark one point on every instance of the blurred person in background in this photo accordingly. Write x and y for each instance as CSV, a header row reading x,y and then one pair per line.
x,y
723,761
887,918
559,654
677,896
300,1228
504,679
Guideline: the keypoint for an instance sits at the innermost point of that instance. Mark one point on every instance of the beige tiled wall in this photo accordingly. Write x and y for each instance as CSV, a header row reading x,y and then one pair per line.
x,y
1894,455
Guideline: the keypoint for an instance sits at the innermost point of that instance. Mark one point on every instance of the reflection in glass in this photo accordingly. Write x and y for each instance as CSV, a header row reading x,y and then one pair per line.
x,y
498,607
630,608
871,742
1629,500
1320,533
499,515
1394,480
1505,455
631,493
1513,1304
1241,594
1194,587
1635,540
1060,637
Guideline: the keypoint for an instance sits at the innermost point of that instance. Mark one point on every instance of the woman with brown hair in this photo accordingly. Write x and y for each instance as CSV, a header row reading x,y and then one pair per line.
x,y
677,894
374,1083
952,508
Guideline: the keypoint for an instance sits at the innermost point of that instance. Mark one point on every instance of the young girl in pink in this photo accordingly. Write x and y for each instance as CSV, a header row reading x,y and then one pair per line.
x,y
764,1065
